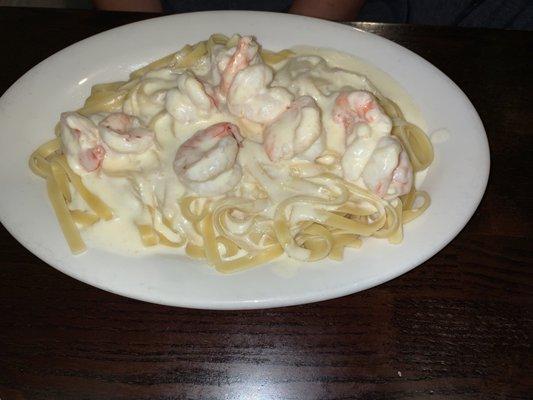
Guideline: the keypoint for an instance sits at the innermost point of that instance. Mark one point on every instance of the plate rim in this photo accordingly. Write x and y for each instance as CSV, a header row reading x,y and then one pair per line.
x,y
268,303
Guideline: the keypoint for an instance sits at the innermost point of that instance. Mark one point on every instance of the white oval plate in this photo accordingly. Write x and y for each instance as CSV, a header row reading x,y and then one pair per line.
x,y
30,109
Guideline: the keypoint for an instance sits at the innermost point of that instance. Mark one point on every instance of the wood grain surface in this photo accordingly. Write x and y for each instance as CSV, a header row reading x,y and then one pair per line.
x,y
457,327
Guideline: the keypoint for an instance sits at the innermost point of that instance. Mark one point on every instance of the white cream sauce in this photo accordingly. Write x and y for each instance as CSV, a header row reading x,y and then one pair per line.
x,y
376,78
127,195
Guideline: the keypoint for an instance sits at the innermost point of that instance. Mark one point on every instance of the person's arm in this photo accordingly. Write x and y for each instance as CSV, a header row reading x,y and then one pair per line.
x,y
336,10
129,5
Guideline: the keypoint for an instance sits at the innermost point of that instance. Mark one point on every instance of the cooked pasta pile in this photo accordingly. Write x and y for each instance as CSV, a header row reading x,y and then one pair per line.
x,y
239,155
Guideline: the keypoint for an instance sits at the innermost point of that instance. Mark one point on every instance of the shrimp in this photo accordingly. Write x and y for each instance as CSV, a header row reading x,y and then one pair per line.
x,y
365,123
295,131
124,133
206,162
389,173
361,107
191,100
251,97
81,143
244,84
243,56
402,176
91,159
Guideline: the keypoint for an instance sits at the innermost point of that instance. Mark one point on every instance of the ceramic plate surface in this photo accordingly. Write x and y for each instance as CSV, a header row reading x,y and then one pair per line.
x,y
31,107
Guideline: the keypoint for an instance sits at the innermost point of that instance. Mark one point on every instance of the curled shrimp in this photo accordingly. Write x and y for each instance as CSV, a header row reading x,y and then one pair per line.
x,y
365,123
244,54
245,85
124,133
206,162
360,106
191,100
295,131
81,143
389,173
251,96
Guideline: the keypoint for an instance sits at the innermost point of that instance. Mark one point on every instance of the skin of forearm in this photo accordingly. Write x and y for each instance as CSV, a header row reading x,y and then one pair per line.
x,y
129,5
335,10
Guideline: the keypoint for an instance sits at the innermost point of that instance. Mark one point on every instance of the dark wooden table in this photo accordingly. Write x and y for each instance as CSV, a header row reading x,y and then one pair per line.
x,y
457,327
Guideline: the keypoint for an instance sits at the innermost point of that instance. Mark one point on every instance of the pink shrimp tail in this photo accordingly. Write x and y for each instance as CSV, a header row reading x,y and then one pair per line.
x,y
402,176
342,112
91,159
269,148
211,93
238,62
362,111
349,111
379,189
225,129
